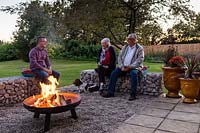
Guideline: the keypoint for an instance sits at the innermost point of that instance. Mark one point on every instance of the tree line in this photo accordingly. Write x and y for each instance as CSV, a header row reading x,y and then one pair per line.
x,y
92,20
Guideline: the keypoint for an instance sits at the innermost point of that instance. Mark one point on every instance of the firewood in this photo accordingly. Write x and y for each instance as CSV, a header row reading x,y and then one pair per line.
x,y
62,100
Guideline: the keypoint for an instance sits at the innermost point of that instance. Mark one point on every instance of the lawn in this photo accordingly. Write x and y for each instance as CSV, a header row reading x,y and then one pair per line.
x,y
69,70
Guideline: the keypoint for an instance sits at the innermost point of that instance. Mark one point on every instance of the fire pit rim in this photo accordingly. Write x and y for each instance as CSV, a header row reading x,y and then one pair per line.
x,y
57,109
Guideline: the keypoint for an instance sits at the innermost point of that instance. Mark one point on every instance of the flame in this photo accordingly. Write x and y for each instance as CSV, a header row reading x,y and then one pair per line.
x,y
49,94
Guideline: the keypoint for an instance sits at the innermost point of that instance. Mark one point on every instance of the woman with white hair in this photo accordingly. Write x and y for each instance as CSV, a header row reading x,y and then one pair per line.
x,y
106,61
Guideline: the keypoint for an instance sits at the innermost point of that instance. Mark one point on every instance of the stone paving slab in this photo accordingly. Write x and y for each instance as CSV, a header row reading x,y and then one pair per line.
x,y
155,112
127,128
159,131
187,108
190,105
179,126
164,99
189,117
160,105
143,120
166,115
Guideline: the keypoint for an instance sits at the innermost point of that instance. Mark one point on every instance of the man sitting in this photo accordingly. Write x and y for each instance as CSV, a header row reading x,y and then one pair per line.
x,y
129,60
39,61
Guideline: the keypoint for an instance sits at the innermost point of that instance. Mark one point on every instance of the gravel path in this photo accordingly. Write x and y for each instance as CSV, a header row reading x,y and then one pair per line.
x,y
96,115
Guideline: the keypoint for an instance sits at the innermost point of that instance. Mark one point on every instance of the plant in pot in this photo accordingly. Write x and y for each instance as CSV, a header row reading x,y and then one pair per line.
x,y
172,71
197,76
190,84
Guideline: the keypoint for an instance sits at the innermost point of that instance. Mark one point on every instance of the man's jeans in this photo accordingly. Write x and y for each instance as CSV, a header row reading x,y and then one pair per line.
x,y
43,76
114,76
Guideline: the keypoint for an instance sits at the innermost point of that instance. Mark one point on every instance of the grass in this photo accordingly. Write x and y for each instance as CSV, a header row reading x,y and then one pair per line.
x,y
69,70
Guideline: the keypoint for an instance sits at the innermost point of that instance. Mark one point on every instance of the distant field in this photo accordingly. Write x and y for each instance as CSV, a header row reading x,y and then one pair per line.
x,y
69,70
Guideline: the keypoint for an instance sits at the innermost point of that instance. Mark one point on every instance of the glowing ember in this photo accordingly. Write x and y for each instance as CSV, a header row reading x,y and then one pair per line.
x,y
49,95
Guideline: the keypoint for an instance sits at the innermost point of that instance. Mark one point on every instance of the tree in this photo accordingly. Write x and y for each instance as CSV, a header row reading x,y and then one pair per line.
x,y
150,34
88,20
33,21
117,18
186,32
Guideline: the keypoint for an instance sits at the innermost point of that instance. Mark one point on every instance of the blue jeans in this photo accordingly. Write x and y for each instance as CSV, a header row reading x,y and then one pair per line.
x,y
114,76
43,76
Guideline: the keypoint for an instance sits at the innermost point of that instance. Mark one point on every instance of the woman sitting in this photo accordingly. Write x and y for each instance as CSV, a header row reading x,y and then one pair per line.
x,y
106,61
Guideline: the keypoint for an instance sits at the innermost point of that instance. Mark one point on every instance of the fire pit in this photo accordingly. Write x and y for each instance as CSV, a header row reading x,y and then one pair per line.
x,y
51,101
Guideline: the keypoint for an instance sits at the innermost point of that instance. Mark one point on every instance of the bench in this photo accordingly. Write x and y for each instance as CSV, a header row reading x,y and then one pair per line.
x,y
150,84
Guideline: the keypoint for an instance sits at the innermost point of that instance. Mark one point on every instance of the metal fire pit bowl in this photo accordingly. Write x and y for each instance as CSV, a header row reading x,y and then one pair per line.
x,y
75,101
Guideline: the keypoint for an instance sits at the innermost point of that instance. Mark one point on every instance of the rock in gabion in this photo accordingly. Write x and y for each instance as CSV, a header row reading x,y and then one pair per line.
x,y
150,84
16,89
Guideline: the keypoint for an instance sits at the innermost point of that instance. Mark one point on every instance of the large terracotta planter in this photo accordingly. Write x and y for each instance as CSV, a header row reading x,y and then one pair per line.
x,y
198,97
197,75
189,89
171,77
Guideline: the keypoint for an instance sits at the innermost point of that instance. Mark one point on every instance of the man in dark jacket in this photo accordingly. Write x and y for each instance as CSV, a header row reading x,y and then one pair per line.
x,y
106,61
39,61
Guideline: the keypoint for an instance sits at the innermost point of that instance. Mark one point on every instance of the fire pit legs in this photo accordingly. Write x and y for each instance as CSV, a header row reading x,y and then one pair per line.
x,y
47,122
73,112
73,100
36,115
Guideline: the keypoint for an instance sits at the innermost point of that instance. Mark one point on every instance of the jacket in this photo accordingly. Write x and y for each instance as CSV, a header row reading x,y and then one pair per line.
x,y
137,58
112,63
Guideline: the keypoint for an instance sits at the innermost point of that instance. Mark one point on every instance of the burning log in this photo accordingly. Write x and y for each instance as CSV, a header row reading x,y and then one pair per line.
x,y
52,101
50,96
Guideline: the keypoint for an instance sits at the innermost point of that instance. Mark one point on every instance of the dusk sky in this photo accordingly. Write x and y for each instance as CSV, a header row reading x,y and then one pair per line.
x,y
8,22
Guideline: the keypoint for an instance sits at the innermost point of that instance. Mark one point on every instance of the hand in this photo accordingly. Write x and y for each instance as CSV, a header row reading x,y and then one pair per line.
x,y
99,64
125,68
49,71
105,66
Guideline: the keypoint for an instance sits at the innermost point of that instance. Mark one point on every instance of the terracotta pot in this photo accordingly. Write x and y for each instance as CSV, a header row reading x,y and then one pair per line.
x,y
197,75
189,89
171,77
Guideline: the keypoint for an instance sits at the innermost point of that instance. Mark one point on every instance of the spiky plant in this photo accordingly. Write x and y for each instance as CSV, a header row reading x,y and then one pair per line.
x,y
192,62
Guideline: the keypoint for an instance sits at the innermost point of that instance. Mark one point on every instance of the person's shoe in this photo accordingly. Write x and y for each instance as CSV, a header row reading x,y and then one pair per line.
x,y
93,88
101,92
107,95
131,98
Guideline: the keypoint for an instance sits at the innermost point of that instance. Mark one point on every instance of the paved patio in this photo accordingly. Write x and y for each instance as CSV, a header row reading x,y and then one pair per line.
x,y
148,114
164,115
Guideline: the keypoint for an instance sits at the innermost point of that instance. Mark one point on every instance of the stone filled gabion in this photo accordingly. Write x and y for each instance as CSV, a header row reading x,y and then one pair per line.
x,y
149,84
16,89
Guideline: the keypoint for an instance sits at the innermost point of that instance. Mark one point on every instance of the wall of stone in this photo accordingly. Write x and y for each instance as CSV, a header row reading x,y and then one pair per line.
x,y
150,84
16,89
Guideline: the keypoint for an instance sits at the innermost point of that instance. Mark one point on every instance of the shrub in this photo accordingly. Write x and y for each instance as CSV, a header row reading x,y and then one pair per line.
x,y
55,50
8,52
75,49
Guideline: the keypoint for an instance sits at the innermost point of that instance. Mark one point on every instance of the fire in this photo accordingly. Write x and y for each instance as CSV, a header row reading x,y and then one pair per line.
x,y
49,94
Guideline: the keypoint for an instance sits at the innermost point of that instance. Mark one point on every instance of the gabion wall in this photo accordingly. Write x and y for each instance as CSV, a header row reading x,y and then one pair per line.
x,y
150,84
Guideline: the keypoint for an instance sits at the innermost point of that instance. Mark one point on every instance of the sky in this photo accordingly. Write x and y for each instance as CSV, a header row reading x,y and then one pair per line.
x,y
8,22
